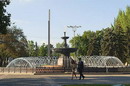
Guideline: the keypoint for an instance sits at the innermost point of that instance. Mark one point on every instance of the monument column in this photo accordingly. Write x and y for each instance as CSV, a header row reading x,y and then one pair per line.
x,y
49,34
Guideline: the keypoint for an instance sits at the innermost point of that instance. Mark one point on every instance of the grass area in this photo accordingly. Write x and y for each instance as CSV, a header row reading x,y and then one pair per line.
x,y
90,85
94,85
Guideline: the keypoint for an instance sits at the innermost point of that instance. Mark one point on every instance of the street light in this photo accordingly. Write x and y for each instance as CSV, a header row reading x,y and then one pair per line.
x,y
74,28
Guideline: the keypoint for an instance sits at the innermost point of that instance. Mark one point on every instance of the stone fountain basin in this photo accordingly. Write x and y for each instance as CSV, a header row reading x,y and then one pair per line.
x,y
65,50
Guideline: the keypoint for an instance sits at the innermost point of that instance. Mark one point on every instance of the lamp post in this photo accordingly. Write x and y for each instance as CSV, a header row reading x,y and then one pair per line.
x,y
74,28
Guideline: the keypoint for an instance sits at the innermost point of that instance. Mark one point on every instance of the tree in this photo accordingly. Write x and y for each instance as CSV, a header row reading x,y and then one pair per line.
x,y
83,43
4,16
43,50
120,44
31,48
14,45
94,47
36,49
108,43
122,26
128,44
60,45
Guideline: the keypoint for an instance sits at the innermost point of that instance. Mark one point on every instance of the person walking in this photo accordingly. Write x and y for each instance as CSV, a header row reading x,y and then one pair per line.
x,y
74,67
81,68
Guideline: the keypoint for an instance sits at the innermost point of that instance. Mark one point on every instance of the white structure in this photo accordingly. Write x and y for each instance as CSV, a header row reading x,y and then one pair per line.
x,y
101,61
89,61
32,62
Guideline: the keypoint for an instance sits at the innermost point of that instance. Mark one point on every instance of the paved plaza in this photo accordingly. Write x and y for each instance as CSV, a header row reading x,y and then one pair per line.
x,y
62,79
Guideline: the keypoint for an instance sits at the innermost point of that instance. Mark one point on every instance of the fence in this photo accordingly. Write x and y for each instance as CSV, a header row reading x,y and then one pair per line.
x,y
107,69
38,70
44,70
17,70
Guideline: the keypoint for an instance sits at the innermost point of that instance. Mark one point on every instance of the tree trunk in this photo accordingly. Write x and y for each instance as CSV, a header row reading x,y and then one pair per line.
x,y
1,61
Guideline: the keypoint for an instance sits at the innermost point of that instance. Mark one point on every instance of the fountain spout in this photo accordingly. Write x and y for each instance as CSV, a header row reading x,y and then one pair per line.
x,y
65,39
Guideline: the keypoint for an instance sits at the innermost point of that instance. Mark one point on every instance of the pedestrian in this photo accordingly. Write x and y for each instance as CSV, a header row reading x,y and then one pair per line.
x,y
74,67
80,68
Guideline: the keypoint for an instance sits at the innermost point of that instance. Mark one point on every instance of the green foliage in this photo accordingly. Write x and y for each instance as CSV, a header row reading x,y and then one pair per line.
x,y
94,44
75,44
43,50
122,23
14,44
4,16
35,50
88,43
32,48
60,45
94,85
89,85
107,43
121,44
128,42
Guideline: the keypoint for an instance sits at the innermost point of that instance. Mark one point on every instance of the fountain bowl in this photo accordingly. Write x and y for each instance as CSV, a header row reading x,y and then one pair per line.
x,y
65,50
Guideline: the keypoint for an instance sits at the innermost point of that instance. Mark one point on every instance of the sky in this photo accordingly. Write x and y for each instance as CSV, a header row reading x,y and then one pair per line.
x,y
32,17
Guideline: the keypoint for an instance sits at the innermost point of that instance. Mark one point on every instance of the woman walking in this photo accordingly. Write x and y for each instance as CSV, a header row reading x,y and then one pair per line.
x,y
74,67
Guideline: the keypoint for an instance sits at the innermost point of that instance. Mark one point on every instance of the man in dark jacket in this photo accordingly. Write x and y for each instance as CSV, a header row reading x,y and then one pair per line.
x,y
81,68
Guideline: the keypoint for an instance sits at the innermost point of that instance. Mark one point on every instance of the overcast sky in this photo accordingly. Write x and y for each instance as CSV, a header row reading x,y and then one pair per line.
x,y
32,16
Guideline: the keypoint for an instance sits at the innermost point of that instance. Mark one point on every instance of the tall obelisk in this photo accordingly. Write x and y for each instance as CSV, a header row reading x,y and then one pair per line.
x,y
49,34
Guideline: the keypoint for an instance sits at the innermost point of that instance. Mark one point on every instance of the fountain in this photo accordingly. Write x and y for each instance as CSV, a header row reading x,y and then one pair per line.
x,y
33,62
65,51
